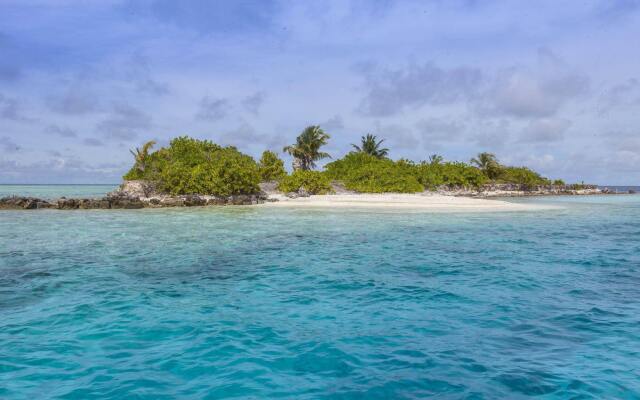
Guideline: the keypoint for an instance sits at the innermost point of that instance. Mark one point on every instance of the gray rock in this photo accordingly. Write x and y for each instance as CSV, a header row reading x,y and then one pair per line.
x,y
216,201
136,189
88,204
24,203
45,204
270,187
124,202
172,202
194,200
68,204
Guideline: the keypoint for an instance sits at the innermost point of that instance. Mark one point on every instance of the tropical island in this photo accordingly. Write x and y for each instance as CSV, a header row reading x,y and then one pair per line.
x,y
194,172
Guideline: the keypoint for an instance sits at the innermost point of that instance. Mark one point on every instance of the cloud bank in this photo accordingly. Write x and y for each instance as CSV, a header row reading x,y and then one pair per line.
x,y
550,84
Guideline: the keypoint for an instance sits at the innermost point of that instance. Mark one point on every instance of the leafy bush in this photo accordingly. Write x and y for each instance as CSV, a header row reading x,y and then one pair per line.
x,y
559,182
382,178
271,167
433,175
461,174
366,173
133,174
192,166
314,182
521,176
339,169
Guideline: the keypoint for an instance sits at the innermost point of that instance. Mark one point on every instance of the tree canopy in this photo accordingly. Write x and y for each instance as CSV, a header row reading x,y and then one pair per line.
x,y
370,145
193,166
306,150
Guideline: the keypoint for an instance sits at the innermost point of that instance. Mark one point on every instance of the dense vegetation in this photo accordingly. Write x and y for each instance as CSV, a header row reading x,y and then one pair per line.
x,y
189,166
271,167
306,150
520,175
314,182
370,145
363,172
197,166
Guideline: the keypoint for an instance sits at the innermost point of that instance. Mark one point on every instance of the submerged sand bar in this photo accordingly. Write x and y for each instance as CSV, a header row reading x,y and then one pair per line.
x,y
426,202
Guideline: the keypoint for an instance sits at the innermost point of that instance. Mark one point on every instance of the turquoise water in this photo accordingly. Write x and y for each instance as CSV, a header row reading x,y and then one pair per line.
x,y
56,191
250,302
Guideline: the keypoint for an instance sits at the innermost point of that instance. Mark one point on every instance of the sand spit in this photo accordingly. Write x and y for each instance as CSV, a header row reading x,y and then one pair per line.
x,y
426,202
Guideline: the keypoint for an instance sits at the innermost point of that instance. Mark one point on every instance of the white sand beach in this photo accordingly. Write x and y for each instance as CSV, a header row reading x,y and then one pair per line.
x,y
426,202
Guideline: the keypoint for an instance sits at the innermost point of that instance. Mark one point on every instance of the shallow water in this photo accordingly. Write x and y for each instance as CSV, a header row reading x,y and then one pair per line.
x,y
250,302
50,192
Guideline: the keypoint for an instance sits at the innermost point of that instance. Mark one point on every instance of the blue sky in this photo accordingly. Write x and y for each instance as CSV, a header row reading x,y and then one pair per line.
x,y
547,84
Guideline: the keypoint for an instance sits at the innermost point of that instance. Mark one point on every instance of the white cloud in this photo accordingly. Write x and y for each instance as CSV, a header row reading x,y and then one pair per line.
x,y
545,130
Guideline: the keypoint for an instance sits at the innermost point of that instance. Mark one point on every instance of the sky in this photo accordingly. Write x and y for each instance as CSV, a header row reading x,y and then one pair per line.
x,y
546,84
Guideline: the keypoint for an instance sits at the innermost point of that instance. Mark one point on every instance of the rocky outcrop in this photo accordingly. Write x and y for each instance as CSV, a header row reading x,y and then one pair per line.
x,y
517,190
269,187
24,203
136,189
138,194
130,195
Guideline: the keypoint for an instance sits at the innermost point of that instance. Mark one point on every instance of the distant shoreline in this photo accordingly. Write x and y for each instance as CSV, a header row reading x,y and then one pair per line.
x,y
136,194
403,201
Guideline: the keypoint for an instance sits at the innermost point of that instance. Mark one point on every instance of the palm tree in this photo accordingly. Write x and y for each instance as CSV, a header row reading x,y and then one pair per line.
x,y
370,145
435,159
141,155
488,164
306,150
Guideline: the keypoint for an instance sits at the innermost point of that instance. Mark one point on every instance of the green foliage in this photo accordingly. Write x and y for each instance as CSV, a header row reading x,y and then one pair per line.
x,y
192,166
141,157
366,173
370,145
577,186
133,174
339,169
435,159
383,178
271,167
314,182
559,182
189,166
521,176
433,175
488,164
306,150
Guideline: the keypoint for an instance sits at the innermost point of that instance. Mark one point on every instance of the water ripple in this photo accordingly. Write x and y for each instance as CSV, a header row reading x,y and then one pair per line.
x,y
256,303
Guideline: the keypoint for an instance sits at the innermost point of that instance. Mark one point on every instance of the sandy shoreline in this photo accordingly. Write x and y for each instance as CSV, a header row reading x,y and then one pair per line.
x,y
425,202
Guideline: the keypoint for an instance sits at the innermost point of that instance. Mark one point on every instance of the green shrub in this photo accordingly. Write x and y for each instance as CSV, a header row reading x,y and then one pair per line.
x,y
559,182
433,175
387,178
462,174
271,167
314,182
192,166
365,173
368,174
133,174
521,176
339,169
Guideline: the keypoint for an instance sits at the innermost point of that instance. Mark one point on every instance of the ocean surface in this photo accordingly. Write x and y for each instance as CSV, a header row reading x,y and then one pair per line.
x,y
52,192
248,302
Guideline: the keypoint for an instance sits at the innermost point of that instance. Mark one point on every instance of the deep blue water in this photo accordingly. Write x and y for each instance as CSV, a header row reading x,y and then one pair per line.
x,y
246,302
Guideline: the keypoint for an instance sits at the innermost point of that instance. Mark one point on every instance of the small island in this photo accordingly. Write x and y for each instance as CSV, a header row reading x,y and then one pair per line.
x,y
194,172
